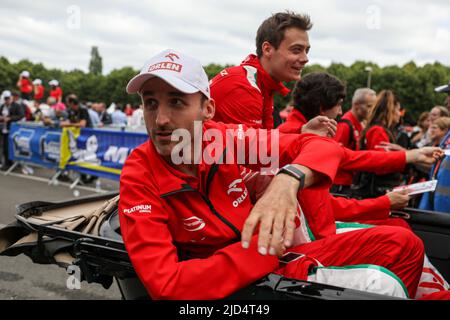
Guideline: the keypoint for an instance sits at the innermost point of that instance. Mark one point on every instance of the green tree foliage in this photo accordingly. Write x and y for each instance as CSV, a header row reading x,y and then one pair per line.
x,y
213,69
95,65
413,85
116,82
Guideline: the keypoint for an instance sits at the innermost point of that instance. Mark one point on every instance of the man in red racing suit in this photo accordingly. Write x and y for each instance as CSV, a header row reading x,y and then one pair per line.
x,y
182,221
245,94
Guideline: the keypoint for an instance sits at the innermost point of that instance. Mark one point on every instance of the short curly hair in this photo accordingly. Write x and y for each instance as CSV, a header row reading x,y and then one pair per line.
x,y
272,29
316,92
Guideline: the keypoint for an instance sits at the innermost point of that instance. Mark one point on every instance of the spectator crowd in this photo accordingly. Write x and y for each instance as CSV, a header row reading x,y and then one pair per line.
x,y
374,122
29,102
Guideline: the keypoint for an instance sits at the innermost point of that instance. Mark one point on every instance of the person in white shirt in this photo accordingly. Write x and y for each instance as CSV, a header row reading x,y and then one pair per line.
x,y
119,118
137,118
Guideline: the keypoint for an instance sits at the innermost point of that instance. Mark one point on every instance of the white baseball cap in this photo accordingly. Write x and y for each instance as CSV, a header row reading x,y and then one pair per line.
x,y
25,74
444,88
53,82
177,69
6,94
37,81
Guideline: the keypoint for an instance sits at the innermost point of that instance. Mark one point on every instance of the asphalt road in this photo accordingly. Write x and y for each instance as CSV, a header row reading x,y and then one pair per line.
x,y
19,277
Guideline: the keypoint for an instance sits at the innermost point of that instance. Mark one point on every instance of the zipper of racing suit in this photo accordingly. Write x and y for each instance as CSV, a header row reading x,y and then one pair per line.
x,y
211,173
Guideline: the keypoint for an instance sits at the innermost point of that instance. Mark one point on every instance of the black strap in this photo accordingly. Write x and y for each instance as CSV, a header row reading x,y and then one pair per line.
x,y
295,173
352,140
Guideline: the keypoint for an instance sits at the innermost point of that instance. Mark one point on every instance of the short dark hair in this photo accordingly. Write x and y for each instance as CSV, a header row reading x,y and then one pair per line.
x,y
72,99
203,98
317,91
272,29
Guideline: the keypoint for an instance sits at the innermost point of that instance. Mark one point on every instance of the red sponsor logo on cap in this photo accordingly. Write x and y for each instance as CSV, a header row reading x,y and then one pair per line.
x,y
171,56
165,66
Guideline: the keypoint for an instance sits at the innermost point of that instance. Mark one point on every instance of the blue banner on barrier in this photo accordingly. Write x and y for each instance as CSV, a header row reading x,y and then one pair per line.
x,y
35,144
91,151
101,152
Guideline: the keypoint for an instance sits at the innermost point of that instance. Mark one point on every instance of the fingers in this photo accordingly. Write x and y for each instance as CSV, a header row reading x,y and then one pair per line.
x,y
283,232
265,234
404,191
276,240
275,213
399,199
438,154
431,151
249,228
326,120
331,129
428,159
405,196
276,231
379,146
405,200
289,231
330,125
321,125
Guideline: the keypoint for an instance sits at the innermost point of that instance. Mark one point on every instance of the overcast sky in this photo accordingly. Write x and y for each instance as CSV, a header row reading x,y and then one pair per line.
x,y
60,33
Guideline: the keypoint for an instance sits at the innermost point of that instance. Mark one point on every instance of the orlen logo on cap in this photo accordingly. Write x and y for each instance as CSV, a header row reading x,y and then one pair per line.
x,y
193,224
171,66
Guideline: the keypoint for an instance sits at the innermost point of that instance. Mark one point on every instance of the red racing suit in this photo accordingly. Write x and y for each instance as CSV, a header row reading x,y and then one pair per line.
x,y
374,136
56,93
25,86
182,232
244,94
374,211
343,136
296,120
343,133
39,94
294,123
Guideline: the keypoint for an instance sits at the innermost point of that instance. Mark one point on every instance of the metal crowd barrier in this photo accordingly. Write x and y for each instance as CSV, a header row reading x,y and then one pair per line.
x,y
99,152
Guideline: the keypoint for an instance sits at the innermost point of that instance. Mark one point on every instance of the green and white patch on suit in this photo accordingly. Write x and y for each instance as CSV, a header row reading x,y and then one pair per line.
x,y
251,76
367,277
302,234
364,277
342,227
